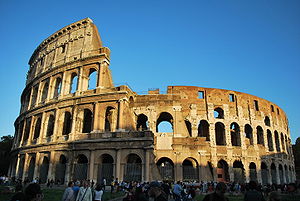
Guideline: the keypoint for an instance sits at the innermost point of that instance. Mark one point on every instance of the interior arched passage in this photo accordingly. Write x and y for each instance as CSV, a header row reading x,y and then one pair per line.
x,y
280,168
74,83
277,141
219,113
239,172
87,121
235,134
31,168
252,172
190,170
222,171
92,84
166,168
260,135
67,123
142,122
50,127
44,170
80,168
203,129
109,118
133,168
264,174
270,140
249,133
273,173
220,133
61,170
37,128
105,169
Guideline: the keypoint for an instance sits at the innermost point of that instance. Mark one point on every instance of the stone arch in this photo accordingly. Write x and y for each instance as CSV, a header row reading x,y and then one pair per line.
x,y
67,126
260,135
220,134
131,101
57,88
282,142
45,91
286,175
142,123
270,140
273,173
31,168
222,171
249,133
74,83
21,166
281,176
190,169
203,129
50,125
235,134
105,168
109,119
80,167
34,96
219,113
93,76
37,128
252,172
277,141
264,173
87,121
267,121
44,170
133,168
167,119
61,169
238,172
188,127
166,168
27,129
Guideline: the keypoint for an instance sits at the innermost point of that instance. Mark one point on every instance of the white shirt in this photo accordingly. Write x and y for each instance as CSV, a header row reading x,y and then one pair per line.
x,y
98,195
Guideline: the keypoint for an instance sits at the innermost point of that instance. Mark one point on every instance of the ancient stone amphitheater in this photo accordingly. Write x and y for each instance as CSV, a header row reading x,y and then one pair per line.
x,y
75,124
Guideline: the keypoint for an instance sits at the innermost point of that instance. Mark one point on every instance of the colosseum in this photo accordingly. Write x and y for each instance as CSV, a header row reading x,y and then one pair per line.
x,y
72,128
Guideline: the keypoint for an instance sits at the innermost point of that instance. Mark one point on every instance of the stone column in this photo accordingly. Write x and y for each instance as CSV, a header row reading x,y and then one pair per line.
x,y
277,174
52,164
96,126
37,165
147,165
91,165
74,117
247,172
25,169
178,167
18,166
31,130
118,164
56,130
42,131
80,81
120,114
258,175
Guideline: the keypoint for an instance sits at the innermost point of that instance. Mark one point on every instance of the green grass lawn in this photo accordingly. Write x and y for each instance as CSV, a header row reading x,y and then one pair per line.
x,y
54,194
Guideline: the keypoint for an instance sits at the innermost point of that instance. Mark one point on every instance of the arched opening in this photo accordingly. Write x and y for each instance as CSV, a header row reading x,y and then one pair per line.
x,y
106,168
280,168
252,172
249,133
277,141
164,123
220,133
37,128
45,92
190,170
142,123
133,168
34,95
188,127
80,169
31,168
282,142
92,79
235,134
267,121
109,118
87,121
44,170
264,174
203,129
273,173
50,127
27,129
166,168
286,175
239,172
270,141
222,171
61,170
67,123
74,83
219,113
21,167
260,135
57,89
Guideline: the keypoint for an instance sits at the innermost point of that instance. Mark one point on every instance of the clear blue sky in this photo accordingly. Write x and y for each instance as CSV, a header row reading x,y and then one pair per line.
x,y
248,46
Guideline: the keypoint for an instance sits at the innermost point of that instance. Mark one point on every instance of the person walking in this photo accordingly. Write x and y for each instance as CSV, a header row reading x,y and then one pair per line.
x,y
253,193
85,192
98,193
69,194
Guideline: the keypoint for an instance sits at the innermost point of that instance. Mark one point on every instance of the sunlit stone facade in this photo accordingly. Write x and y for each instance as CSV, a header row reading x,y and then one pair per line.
x,y
75,124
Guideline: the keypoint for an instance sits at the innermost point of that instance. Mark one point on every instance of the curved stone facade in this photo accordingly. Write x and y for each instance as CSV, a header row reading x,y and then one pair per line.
x,y
75,124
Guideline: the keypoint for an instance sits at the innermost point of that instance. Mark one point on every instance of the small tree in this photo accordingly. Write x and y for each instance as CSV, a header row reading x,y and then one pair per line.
x,y
5,147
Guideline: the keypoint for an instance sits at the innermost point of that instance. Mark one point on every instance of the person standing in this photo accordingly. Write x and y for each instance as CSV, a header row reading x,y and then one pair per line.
x,y
33,192
69,193
177,191
98,193
85,192
253,193
156,192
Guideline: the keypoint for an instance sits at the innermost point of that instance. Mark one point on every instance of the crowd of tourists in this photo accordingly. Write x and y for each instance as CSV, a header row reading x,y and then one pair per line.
x,y
157,191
